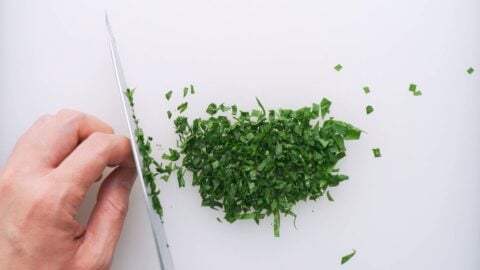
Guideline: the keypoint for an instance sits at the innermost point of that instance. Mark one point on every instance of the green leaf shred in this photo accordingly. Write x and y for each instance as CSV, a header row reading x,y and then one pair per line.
x,y
369,109
168,95
347,257
329,196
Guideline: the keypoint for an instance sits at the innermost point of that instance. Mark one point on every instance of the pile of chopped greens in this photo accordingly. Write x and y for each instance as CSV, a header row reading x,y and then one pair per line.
x,y
253,164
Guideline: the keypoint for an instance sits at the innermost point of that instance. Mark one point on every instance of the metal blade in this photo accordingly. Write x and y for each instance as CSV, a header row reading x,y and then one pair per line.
x,y
156,223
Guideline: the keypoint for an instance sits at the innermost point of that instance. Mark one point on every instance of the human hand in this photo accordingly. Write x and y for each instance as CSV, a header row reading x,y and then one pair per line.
x,y
43,183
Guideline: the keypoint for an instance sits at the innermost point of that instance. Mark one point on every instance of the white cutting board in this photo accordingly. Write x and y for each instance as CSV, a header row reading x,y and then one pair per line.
x,y
417,207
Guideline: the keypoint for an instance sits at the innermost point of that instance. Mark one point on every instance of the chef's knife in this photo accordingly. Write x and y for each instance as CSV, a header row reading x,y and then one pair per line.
x,y
163,251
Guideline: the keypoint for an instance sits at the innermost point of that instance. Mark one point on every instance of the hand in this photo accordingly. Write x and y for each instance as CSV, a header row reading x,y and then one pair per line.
x,y
44,182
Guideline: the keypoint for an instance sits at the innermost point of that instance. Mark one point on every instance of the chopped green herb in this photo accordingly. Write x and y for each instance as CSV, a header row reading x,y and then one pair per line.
x,y
369,109
329,197
346,258
145,149
366,89
192,89
169,114
376,152
174,155
219,220
325,107
338,67
181,179
185,91
470,70
257,164
412,87
417,93
168,95
182,107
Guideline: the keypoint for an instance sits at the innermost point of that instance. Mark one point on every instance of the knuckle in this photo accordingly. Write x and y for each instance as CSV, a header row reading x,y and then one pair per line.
x,y
67,112
7,177
100,146
117,208
100,141
70,118
6,184
43,119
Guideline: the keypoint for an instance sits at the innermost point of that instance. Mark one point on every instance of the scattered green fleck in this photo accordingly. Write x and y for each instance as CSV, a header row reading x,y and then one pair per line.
x,y
185,91
369,109
376,152
192,89
329,197
470,70
174,155
169,114
325,107
182,107
412,87
346,258
338,67
417,93
219,220
180,177
145,149
168,95
366,89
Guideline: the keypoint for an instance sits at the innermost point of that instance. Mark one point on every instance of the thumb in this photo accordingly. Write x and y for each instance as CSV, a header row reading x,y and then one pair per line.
x,y
108,216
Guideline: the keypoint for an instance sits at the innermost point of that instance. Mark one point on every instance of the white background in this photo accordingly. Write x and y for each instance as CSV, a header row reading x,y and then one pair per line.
x,y
417,207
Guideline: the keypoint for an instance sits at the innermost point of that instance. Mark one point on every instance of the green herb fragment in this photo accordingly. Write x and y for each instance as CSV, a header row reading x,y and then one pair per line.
x,y
376,152
185,91
192,89
169,114
219,220
255,164
412,88
168,95
417,93
470,70
366,89
174,155
369,109
346,258
329,197
145,149
261,106
325,107
180,177
338,67
212,109
182,107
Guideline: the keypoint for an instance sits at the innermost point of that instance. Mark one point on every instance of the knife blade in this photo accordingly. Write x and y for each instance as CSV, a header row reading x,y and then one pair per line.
x,y
161,243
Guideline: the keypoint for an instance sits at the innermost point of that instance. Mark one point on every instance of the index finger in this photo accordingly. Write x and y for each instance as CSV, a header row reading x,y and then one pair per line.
x,y
86,163
51,139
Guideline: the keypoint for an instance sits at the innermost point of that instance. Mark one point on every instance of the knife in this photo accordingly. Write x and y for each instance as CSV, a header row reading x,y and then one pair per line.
x,y
163,250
